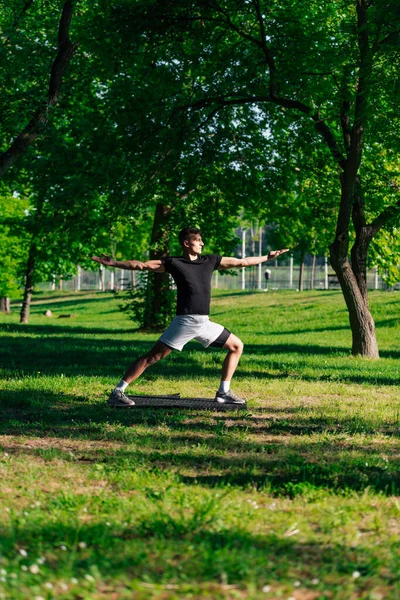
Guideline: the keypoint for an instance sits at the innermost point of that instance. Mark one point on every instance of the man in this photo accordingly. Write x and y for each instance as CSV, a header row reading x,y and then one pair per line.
x,y
192,274
267,276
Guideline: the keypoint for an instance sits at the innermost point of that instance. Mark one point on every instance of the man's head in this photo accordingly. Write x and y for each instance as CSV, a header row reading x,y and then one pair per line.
x,y
190,240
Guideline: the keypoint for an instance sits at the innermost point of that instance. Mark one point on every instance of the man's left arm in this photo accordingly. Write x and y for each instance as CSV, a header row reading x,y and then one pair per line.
x,y
230,262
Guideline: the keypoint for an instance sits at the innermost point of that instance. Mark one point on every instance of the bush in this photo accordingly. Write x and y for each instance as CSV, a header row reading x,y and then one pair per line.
x,y
148,307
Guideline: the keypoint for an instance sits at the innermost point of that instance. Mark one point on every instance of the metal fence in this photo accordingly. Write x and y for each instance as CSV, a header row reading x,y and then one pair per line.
x,y
284,275
102,279
286,278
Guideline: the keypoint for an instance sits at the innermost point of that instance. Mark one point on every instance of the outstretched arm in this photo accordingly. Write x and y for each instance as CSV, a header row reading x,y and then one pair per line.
x,y
228,262
130,265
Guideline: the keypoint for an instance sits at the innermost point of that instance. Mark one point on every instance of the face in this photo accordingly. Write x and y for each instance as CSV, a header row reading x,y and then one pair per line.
x,y
194,244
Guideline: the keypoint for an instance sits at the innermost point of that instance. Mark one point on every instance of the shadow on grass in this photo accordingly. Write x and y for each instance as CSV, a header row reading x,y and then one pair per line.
x,y
58,328
308,330
77,355
59,302
165,548
215,450
394,322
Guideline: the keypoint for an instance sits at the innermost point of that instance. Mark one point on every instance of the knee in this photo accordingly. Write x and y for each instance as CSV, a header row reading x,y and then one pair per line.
x,y
152,358
236,346
239,346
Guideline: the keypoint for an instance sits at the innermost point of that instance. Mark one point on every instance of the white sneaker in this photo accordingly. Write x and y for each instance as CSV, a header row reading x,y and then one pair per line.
x,y
229,398
118,398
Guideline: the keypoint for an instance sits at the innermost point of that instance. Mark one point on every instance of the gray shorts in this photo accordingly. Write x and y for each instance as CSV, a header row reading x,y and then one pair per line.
x,y
185,328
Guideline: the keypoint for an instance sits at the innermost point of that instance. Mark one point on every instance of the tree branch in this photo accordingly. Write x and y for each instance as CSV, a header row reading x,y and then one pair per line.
x,y
357,132
267,53
345,109
365,63
320,125
229,22
393,36
66,51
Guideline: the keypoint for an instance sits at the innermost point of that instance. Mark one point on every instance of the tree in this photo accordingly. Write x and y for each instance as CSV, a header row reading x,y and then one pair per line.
x,y
68,211
16,99
333,67
66,51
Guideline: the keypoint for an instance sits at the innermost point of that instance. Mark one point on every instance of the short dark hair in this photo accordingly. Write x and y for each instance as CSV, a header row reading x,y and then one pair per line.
x,y
185,233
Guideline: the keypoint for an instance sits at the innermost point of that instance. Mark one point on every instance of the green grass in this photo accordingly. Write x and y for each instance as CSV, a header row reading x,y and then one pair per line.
x,y
297,498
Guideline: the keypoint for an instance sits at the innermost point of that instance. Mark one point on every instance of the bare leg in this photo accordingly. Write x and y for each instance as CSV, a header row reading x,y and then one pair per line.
x,y
235,348
159,351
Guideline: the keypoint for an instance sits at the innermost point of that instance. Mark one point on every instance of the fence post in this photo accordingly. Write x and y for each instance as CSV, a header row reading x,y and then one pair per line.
x,y
260,255
291,271
243,256
376,278
326,273
312,282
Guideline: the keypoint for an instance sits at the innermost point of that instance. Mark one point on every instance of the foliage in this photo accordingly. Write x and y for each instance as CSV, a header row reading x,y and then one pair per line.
x,y
137,303
13,242
304,217
385,255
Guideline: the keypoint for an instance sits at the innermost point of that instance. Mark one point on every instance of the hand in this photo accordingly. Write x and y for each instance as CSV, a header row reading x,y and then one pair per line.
x,y
136,265
104,260
275,253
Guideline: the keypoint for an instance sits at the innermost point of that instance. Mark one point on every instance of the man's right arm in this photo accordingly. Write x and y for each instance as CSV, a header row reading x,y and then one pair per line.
x,y
130,265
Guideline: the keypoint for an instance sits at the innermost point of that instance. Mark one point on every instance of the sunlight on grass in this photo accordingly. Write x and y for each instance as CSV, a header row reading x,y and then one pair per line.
x,y
296,498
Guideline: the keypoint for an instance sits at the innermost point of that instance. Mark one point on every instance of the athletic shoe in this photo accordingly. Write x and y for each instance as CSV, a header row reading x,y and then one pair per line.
x,y
118,398
229,398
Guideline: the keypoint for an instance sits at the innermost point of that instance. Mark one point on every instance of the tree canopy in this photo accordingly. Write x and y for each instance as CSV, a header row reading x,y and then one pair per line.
x,y
200,110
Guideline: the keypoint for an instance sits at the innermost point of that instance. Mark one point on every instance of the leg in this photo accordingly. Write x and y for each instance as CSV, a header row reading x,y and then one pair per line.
x,y
117,397
235,348
159,351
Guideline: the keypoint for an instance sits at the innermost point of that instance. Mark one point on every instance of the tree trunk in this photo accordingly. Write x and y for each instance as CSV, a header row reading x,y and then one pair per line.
x,y
5,304
352,277
359,255
158,283
361,322
26,303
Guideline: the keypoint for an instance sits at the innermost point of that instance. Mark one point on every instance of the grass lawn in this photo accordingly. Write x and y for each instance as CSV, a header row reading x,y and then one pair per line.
x,y
298,498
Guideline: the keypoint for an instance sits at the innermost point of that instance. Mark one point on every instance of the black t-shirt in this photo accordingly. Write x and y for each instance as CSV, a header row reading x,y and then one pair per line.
x,y
193,282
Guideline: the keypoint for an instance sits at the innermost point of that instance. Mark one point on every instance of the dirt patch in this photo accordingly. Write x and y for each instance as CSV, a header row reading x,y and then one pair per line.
x,y
10,443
